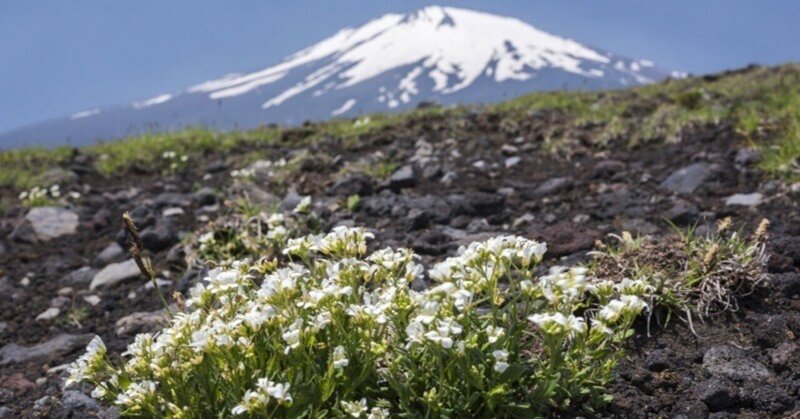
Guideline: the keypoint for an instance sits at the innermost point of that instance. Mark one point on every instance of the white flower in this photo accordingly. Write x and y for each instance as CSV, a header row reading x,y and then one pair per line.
x,y
415,332
275,220
280,391
378,413
530,251
556,323
136,394
442,333
85,367
256,400
298,246
494,333
257,316
599,327
346,241
321,320
276,233
200,340
292,335
442,271
251,402
222,280
462,298
99,392
612,311
355,409
303,206
626,304
206,238
428,312
500,360
339,358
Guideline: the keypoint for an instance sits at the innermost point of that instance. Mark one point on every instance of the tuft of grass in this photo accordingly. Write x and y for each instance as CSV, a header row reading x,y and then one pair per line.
x,y
382,169
694,275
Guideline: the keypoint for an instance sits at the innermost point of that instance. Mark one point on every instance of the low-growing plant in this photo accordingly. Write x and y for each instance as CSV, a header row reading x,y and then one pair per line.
x,y
382,169
49,196
249,231
174,162
694,275
325,329
353,203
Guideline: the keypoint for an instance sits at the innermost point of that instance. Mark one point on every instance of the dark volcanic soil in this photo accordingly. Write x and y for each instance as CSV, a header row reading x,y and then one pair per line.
x,y
446,192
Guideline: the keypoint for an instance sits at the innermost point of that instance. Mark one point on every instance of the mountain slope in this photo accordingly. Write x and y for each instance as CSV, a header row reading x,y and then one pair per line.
x,y
446,55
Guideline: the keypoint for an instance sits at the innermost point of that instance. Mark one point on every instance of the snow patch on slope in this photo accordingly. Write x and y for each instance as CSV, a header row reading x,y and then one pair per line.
x,y
84,114
152,101
344,108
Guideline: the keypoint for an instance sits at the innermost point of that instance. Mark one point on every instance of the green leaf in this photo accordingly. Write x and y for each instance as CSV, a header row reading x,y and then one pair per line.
x,y
513,373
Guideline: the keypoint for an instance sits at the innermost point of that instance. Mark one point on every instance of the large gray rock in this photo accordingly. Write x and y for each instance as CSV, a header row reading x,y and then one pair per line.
x,y
734,363
553,186
404,177
744,199
716,393
160,236
357,184
172,199
52,222
111,252
56,347
140,322
80,276
204,196
115,273
75,403
687,179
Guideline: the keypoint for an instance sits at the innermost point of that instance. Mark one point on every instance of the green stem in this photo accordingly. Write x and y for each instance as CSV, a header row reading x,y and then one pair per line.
x,y
161,296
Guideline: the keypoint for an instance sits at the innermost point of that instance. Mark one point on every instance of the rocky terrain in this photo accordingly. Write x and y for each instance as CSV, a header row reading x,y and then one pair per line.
x,y
65,274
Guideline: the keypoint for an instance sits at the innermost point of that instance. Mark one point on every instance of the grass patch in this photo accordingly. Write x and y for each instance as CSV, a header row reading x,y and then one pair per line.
x,y
22,169
689,274
763,104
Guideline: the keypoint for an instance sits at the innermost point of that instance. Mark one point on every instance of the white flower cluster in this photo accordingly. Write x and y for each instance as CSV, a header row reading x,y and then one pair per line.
x,y
258,399
261,166
175,161
334,320
361,122
88,364
173,156
38,195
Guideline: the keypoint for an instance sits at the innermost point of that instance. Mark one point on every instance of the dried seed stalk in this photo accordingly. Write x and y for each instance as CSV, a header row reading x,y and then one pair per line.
x,y
141,257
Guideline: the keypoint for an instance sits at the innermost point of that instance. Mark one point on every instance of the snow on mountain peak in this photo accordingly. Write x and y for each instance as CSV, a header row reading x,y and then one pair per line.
x,y
445,55
452,47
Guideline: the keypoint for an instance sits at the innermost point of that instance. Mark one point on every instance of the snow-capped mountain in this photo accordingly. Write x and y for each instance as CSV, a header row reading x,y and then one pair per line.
x,y
441,54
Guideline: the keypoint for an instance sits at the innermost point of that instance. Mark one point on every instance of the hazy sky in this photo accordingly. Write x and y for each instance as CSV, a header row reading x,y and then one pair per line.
x,y
59,57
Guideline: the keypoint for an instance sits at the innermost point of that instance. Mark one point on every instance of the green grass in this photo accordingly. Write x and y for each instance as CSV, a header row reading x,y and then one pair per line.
x,y
763,104
22,169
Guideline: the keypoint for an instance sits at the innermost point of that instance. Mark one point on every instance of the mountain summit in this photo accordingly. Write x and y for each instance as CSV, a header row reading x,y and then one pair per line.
x,y
441,54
